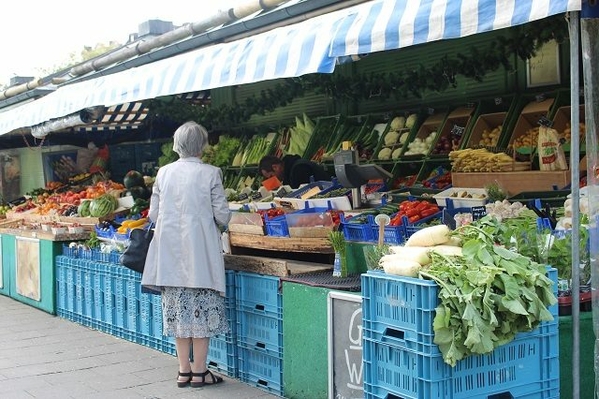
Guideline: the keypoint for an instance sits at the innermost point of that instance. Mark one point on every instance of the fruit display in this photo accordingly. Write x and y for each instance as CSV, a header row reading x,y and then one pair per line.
x,y
528,139
136,185
490,138
566,134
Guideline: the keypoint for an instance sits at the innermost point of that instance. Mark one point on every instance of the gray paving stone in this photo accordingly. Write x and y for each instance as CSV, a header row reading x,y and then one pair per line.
x,y
48,357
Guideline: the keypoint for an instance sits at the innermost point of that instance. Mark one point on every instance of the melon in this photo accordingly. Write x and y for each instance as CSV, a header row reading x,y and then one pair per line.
x,y
133,178
101,206
83,208
140,192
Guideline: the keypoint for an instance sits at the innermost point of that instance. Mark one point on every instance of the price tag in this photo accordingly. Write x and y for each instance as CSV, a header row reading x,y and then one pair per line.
x,y
256,195
478,212
242,197
431,111
498,100
282,192
544,121
469,105
457,131
540,97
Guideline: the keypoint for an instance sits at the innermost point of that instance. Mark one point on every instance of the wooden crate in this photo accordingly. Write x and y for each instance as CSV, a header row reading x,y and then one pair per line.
x,y
563,119
487,122
528,120
515,182
455,129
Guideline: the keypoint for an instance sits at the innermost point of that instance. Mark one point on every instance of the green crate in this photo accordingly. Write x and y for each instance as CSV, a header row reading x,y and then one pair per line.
x,y
554,198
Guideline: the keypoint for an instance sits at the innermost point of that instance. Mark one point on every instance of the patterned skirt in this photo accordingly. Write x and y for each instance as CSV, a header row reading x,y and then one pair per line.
x,y
193,313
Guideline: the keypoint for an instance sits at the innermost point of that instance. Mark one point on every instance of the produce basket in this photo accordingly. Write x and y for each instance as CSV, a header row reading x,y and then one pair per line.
x,y
525,133
494,120
562,123
462,197
405,173
454,131
427,133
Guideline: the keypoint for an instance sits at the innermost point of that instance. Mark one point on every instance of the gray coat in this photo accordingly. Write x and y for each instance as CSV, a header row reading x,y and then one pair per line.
x,y
188,201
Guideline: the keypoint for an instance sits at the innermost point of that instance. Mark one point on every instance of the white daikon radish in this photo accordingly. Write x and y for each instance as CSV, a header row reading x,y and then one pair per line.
x,y
429,236
406,268
417,254
455,241
447,250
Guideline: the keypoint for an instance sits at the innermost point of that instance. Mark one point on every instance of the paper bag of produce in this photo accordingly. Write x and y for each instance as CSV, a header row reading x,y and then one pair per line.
x,y
551,153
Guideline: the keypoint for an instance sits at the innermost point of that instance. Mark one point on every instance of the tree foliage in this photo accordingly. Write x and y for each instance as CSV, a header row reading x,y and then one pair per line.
x,y
77,57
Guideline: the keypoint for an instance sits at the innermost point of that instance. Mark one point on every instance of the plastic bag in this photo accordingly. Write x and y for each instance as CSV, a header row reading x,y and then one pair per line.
x,y
551,153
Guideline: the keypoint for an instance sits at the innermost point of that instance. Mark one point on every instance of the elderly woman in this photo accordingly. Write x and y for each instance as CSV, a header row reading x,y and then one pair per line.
x,y
185,261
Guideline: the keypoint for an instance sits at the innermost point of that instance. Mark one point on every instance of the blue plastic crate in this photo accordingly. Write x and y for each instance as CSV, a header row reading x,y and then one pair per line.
x,y
358,232
277,226
400,310
107,232
260,331
522,367
157,316
258,292
261,370
222,356
72,252
397,235
145,314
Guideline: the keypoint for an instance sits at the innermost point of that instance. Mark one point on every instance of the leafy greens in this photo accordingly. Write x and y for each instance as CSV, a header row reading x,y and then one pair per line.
x,y
488,294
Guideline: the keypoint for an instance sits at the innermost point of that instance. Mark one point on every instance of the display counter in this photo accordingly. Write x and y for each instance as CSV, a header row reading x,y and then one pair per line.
x,y
587,354
28,263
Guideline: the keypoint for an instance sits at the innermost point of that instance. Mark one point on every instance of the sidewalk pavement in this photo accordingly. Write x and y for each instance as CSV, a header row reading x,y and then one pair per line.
x,y
48,357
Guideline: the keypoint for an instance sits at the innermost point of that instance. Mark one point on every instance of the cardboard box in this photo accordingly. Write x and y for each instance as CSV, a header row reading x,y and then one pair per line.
x,y
515,182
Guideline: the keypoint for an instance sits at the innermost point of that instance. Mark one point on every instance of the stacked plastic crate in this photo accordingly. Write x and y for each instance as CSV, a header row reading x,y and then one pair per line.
x,y
260,331
222,352
401,360
93,289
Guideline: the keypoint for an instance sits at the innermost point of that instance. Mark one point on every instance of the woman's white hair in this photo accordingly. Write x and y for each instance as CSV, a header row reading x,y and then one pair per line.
x,y
190,139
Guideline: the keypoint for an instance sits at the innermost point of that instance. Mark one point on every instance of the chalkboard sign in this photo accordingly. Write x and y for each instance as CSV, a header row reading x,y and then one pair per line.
x,y
457,131
544,121
242,197
478,212
345,346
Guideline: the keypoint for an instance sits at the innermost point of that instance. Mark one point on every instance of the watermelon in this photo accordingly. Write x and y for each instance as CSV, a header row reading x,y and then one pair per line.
x,y
83,208
140,192
101,206
133,178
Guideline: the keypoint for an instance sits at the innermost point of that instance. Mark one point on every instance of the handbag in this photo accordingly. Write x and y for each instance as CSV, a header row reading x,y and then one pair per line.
x,y
134,256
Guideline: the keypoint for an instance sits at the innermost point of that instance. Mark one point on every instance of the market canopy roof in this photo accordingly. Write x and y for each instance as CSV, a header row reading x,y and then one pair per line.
x,y
311,46
389,24
283,52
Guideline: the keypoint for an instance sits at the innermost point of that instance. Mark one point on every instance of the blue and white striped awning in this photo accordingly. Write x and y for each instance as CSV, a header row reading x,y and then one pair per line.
x,y
311,46
381,25
283,52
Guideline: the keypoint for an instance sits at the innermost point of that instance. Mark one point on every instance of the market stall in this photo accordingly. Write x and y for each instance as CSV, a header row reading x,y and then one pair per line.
x,y
419,151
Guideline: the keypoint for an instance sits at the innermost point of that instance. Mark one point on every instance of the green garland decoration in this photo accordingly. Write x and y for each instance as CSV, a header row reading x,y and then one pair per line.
x,y
522,41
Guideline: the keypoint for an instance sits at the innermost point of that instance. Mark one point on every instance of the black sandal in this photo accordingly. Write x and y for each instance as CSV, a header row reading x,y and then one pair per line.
x,y
183,384
198,384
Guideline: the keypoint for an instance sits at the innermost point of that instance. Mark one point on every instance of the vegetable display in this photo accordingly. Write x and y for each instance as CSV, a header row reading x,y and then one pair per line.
x,y
487,292
487,295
